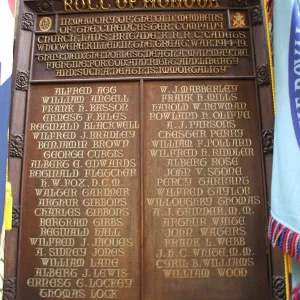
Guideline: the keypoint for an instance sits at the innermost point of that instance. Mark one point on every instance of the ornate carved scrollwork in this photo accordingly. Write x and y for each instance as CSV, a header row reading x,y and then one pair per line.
x,y
268,140
16,145
16,216
256,15
263,74
45,6
279,288
22,79
239,3
28,21
9,289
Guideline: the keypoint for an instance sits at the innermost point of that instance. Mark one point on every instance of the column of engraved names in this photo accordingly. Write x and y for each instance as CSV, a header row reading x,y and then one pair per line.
x,y
82,200
55,169
203,200
113,166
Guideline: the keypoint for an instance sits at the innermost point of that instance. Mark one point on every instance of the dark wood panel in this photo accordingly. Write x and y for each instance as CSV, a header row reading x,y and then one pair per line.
x,y
81,209
204,197
168,99
207,43
103,6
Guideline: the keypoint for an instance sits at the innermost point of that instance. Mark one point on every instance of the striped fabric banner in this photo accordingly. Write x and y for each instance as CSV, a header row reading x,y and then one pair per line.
x,y
284,225
270,7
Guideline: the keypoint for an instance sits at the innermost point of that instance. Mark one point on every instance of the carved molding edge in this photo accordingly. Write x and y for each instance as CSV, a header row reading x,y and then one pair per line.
x,y
239,3
9,288
16,216
28,21
263,74
268,141
279,288
16,145
22,80
256,15
45,6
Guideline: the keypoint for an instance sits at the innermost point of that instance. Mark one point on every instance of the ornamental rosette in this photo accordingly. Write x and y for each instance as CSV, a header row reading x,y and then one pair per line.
x,y
16,145
45,6
22,78
239,3
263,74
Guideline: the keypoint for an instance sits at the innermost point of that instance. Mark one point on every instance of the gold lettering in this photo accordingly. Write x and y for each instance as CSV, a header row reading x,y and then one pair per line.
x,y
81,5
68,5
90,5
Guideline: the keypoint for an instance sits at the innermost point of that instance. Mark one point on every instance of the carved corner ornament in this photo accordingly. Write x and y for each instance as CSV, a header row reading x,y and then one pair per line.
x,y
256,14
239,3
45,6
16,145
9,289
16,216
268,141
279,288
28,21
263,74
22,80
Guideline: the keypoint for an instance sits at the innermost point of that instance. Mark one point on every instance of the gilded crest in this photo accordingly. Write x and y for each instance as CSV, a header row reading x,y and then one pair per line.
x,y
45,24
238,20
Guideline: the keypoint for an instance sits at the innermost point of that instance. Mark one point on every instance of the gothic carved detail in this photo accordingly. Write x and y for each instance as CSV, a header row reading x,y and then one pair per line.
x,y
256,15
22,79
9,288
28,21
263,74
239,3
45,6
16,145
16,216
268,140
279,288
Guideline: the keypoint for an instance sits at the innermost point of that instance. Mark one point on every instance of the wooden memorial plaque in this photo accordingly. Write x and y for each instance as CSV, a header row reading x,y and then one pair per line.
x,y
143,175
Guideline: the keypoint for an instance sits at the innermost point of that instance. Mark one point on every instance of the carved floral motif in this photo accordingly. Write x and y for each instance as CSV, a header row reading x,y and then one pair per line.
x,y
256,15
16,216
44,6
16,145
263,74
22,78
9,289
27,21
279,288
268,141
239,3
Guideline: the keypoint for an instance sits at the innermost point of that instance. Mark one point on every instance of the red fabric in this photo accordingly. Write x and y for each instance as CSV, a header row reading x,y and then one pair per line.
x,y
293,245
284,241
12,6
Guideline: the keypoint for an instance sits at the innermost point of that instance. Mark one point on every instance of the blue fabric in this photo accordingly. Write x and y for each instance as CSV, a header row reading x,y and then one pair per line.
x,y
5,91
285,194
285,205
